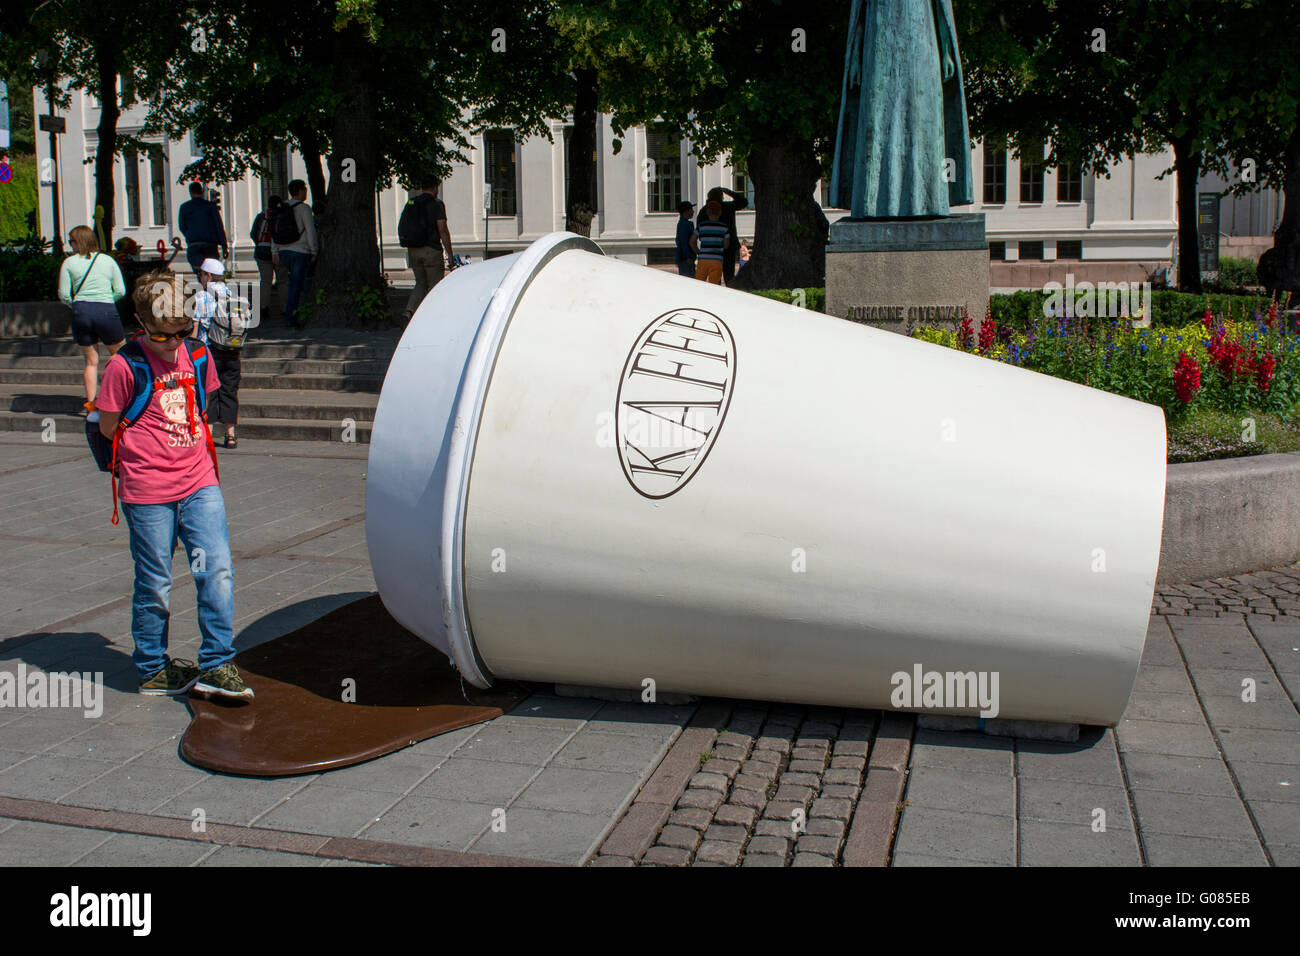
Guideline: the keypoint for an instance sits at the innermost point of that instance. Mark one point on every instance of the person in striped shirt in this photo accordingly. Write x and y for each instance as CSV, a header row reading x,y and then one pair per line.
x,y
710,242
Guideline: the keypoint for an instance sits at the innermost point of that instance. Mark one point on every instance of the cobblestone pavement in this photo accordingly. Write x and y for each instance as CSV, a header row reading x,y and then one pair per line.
x,y
1193,775
1270,595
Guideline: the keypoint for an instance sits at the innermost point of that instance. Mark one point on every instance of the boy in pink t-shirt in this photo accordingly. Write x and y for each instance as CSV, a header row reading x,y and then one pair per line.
x,y
169,489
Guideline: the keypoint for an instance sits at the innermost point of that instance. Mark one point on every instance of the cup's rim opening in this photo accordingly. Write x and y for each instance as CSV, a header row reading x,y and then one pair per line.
x,y
468,410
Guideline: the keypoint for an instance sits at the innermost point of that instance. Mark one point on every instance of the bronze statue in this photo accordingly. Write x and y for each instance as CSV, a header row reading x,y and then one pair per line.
x,y
902,149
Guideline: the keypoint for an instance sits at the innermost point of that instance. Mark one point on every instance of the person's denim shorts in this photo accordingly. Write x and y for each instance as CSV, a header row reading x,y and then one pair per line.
x,y
94,322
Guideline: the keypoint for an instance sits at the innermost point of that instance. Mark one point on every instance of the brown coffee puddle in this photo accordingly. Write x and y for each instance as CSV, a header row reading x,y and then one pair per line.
x,y
298,722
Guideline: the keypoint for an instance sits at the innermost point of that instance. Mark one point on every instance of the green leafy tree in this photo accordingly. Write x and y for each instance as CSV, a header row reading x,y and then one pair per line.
x,y
86,45
606,54
1114,78
378,90
767,92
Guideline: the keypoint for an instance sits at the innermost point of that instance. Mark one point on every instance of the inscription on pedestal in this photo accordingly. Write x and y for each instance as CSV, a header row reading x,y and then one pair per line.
x,y
871,314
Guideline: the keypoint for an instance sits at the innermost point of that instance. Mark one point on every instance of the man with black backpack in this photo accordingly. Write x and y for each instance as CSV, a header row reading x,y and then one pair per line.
x,y
422,231
274,278
294,244
200,223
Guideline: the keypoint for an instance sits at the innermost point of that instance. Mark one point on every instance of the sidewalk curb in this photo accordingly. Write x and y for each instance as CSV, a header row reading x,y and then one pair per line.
x,y
875,819
261,838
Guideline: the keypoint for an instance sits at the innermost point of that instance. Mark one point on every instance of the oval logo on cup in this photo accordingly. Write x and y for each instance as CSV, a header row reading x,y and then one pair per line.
x,y
672,398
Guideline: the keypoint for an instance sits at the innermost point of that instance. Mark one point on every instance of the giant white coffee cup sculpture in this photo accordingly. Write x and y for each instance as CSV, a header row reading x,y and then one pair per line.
x,y
588,471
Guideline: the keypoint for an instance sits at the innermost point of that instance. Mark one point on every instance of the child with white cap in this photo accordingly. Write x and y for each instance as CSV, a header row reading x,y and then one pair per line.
x,y
213,299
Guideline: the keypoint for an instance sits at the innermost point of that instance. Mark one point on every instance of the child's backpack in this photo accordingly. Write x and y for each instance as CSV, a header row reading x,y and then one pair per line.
x,y
284,227
104,450
229,327
413,225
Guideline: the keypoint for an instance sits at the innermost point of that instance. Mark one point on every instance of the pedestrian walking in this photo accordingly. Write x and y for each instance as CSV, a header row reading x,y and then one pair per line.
x,y
728,212
685,257
710,243
273,279
169,489
90,283
294,244
222,324
200,223
422,230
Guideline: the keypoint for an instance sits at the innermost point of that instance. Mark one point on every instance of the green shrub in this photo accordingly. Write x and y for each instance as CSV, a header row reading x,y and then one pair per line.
x,y
1168,307
28,273
1235,272
814,297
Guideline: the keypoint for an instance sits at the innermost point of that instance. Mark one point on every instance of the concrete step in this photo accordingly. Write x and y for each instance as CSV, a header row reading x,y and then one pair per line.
x,y
374,347
281,429
368,368
321,382
254,403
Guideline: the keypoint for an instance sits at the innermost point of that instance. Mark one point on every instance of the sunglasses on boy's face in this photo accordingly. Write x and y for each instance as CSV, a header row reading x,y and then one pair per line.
x,y
180,336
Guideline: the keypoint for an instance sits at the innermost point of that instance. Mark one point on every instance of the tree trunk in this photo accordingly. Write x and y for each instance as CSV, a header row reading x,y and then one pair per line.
x,y
348,264
580,201
789,226
1187,166
107,146
1279,267
309,144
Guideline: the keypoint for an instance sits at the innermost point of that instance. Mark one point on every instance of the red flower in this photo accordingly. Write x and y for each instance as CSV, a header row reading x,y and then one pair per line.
x,y
1207,319
1270,317
966,333
988,331
1228,356
1187,377
1264,366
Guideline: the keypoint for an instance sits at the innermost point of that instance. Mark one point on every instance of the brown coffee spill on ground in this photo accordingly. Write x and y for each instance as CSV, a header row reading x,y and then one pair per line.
x,y
299,722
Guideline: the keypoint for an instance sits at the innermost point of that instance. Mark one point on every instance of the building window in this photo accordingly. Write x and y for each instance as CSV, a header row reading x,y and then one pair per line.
x,y
158,186
131,178
740,181
1069,249
998,251
1069,183
664,147
568,171
1031,173
275,181
1031,250
499,170
126,89
663,256
995,174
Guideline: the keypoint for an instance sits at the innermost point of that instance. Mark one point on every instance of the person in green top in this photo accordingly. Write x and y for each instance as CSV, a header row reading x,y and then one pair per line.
x,y
90,283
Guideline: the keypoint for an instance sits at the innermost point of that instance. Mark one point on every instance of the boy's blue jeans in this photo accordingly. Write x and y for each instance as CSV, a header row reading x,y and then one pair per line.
x,y
200,523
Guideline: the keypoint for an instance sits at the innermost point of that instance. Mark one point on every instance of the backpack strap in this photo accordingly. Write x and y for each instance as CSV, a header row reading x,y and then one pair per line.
x,y
142,377
200,356
142,394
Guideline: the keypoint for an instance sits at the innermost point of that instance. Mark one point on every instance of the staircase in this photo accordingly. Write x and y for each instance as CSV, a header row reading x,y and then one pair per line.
x,y
296,385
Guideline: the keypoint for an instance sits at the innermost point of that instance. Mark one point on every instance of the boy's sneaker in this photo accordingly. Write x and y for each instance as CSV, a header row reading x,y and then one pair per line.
x,y
223,681
176,678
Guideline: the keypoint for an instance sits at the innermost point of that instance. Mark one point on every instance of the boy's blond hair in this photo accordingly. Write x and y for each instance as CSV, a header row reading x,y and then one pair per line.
x,y
159,298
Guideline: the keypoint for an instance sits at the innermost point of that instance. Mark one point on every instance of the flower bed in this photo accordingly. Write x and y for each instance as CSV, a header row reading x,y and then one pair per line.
x,y
1219,369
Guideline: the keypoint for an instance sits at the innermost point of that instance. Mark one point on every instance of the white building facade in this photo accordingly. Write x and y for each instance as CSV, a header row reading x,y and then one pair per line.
x,y
1039,221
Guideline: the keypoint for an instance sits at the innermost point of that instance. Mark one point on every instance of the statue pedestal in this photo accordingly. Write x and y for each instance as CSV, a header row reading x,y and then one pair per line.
x,y
897,274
